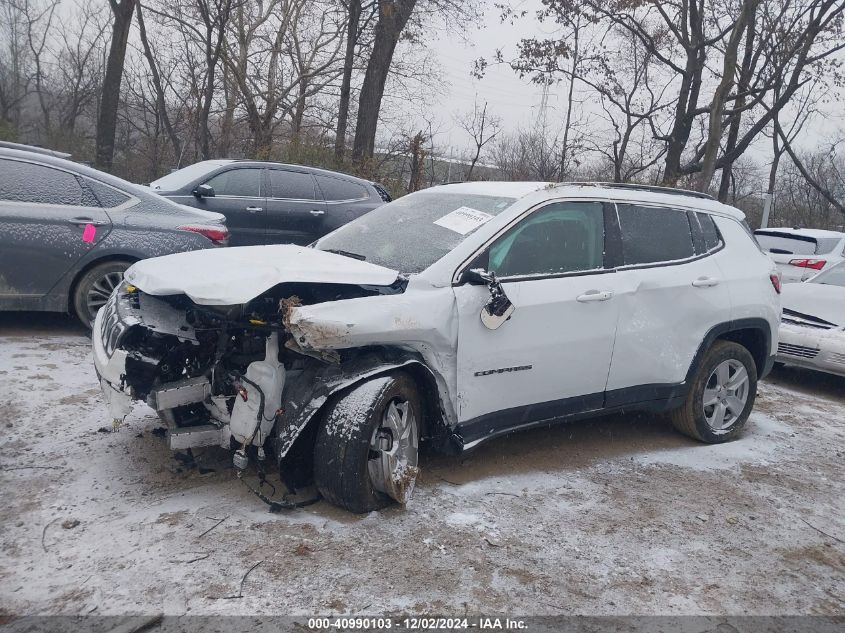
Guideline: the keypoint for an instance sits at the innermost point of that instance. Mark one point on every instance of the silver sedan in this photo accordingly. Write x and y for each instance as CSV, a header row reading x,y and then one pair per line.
x,y
812,331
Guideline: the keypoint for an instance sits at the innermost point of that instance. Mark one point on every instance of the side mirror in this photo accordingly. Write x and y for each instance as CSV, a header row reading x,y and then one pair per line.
x,y
476,277
499,308
204,191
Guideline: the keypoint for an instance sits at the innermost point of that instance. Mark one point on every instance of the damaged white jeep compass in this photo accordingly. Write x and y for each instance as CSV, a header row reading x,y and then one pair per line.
x,y
449,316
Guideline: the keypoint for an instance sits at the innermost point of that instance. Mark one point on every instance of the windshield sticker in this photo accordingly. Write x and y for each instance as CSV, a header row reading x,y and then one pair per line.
x,y
463,220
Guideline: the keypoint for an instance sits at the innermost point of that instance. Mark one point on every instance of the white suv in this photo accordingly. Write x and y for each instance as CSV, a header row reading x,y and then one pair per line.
x,y
449,316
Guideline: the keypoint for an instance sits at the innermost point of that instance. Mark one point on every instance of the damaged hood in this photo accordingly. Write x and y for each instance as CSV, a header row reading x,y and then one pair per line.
x,y
822,301
233,276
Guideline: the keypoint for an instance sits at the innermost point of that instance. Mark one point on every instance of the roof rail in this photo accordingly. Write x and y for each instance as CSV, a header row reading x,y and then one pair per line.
x,y
635,187
34,149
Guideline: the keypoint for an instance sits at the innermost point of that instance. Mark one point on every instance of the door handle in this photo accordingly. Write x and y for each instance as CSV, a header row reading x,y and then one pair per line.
x,y
594,295
317,212
254,209
705,282
82,221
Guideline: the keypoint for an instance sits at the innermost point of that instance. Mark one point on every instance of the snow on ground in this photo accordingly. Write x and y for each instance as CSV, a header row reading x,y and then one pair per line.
x,y
619,515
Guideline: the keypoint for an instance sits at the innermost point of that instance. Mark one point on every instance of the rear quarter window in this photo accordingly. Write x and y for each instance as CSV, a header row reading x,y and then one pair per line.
x,y
338,189
108,197
709,232
654,234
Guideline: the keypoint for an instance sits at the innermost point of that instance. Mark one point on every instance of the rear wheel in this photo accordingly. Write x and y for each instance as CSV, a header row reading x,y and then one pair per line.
x,y
721,395
94,288
366,453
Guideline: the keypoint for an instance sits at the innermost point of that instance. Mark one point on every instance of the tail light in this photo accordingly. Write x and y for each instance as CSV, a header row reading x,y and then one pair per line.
x,y
775,279
814,264
217,234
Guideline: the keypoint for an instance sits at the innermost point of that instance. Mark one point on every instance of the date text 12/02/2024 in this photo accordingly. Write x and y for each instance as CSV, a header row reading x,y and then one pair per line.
x,y
416,624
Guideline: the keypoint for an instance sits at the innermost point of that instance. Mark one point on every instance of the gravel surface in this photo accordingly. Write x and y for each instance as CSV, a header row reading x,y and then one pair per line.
x,y
619,515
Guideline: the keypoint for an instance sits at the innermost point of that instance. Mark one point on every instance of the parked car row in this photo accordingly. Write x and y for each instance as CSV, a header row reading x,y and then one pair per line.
x,y
68,232
447,317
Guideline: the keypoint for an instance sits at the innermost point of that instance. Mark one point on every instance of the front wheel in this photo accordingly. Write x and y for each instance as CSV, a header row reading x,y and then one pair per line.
x,y
721,395
367,447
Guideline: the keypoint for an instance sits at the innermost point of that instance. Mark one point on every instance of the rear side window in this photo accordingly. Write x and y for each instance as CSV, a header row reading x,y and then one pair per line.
x,y
337,189
652,234
291,185
28,182
106,196
243,183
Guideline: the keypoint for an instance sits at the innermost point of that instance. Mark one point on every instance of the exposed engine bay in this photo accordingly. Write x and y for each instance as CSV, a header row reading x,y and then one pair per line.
x,y
216,374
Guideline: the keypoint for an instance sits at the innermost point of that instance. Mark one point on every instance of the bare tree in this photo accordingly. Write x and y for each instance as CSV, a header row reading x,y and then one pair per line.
x,y
482,127
107,121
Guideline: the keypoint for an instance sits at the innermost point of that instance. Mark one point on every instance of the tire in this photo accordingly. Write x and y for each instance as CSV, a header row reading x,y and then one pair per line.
x,y
356,445
702,422
94,287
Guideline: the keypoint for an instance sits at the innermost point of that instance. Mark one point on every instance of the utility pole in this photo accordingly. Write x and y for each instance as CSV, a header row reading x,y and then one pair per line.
x,y
767,207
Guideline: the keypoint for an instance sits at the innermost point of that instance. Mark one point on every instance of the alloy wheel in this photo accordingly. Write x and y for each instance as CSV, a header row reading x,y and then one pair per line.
x,y
394,452
725,395
100,292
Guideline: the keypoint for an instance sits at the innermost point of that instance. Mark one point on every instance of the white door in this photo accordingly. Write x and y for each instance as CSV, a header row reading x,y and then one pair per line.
x,y
671,293
552,356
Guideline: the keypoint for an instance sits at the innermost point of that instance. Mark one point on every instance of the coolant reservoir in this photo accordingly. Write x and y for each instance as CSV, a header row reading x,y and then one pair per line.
x,y
269,375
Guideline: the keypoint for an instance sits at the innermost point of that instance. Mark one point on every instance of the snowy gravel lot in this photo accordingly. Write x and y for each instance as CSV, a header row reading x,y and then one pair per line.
x,y
619,515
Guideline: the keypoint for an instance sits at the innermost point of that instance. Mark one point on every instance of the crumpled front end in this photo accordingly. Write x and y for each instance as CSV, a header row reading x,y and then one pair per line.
x,y
240,376
145,349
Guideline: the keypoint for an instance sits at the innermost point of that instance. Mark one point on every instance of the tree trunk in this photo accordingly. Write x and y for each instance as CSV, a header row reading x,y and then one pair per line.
x,y
107,120
354,19
417,162
228,123
717,106
564,150
393,16
161,105
736,119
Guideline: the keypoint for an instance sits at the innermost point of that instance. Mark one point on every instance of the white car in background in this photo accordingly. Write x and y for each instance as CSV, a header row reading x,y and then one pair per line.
x,y
801,253
812,331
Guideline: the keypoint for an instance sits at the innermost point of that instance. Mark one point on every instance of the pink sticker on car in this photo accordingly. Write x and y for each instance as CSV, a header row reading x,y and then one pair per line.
x,y
88,233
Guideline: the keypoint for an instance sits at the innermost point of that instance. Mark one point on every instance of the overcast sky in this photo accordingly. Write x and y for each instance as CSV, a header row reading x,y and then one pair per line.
x,y
517,102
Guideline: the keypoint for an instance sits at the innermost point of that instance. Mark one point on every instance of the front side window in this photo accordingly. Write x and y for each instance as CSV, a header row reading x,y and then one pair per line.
x,y
27,182
654,234
562,237
243,183
291,185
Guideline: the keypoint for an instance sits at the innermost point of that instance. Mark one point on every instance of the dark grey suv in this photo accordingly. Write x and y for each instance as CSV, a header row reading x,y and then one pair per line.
x,y
67,232
272,203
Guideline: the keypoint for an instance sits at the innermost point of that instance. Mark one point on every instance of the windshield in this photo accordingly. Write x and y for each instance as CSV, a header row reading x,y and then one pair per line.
x,y
181,177
833,277
410,234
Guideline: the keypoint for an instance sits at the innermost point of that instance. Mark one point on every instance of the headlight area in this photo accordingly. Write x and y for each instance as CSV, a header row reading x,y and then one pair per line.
x,y
214,374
